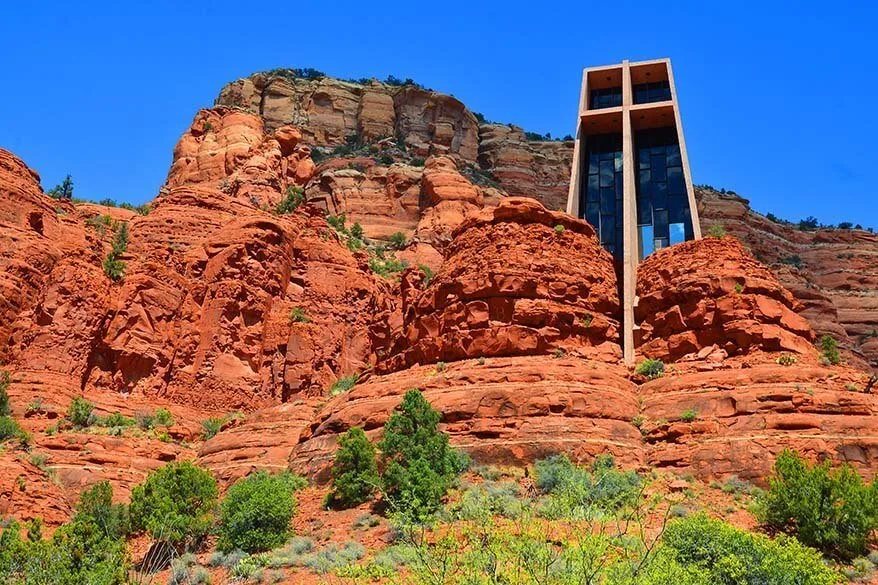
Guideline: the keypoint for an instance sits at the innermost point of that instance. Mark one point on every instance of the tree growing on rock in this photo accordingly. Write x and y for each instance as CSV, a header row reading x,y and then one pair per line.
x,y
354,471
64,190
419,464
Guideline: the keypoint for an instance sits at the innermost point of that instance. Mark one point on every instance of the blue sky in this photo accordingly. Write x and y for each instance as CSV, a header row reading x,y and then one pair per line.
x,y
769,91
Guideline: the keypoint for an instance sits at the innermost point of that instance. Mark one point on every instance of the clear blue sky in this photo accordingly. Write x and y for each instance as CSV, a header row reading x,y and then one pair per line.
x,y
768,90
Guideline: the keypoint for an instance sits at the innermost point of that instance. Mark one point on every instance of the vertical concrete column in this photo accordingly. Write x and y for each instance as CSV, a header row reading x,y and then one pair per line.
x,y
684,155
629,210
576,167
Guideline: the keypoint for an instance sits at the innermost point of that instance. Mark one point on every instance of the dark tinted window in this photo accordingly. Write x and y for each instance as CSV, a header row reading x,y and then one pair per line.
x,y
601,193
657,91
610,97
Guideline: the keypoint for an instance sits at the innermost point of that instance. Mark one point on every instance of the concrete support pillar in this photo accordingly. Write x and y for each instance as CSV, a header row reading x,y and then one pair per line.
x,y
630,254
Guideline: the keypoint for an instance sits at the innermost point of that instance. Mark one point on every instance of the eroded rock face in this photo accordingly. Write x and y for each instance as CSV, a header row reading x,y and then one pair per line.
x,y
500,410
711,291
833,273
517,280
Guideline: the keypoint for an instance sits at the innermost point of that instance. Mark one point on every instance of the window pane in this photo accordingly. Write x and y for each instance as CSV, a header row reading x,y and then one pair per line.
x,y
677,233
607,171
644,211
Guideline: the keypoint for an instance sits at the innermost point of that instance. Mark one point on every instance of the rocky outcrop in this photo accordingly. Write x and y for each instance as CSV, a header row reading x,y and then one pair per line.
x,y
832,272
330,110
526,168
712,292
517,280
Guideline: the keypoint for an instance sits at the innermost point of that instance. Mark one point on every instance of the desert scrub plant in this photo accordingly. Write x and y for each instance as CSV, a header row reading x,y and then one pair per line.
x,y
651,368
478,502
354,470
176,504
293,198
257,510
398,240
689,415
297,315
730,555
786,359
10,430
419,465
113,266
344,384
829,351
716,231
334,556
4,393
559,229
211,426
428,274
575,492
115,419
80,413
833,510
163,417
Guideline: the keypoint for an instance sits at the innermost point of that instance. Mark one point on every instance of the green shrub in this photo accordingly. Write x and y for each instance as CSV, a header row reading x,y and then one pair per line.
x,y
163,417
293,198
559,229
794,260
333,557
398,240
144,420
786,359
829,350
113,266
343,384
651,368
80,413
716,231
357,231
578,492
256,512
297,315
175,504
4,395
9,429
428,273
115,419
830,509
419,465
212,426
689,415
417,162
733,556
479,502
354,471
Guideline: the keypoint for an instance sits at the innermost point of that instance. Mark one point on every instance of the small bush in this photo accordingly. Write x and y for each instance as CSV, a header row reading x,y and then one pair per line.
x,y
116,419
334,557
354,471
212,426
9,429
651,368
579,492
829,350
113,266
559,229
4,395
343,384
357,231
256,512
830,509
297,315
80,412
688,415
733,556
144,420
293,198
398,240
419,465
786,360
175,504
794,260
716,231
163,417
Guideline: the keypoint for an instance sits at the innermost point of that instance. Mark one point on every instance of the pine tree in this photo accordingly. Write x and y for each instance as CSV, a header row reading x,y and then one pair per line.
x,y
354,471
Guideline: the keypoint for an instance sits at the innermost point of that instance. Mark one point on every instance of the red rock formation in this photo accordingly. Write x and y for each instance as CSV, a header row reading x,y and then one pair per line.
x,y
518,280
711,291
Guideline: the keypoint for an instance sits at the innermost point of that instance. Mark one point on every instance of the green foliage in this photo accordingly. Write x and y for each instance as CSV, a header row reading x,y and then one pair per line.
x,y
559,229
688,415
732,556
9,429
293,198
829,350
343,384
716,231
113,266
808,224
357,231
417,162
88,549
116,419
398,240
576,492
80,413
256,512
651,368
479,502
385,159
793,260
4,394
786,359
175,504
354,470
428,273
62,191
212,426
163,417
298,315
385,265
419,465
830,509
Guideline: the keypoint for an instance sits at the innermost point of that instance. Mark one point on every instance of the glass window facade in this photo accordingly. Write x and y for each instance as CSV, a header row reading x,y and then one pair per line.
x,y
601,194
663,216
658,91
610,97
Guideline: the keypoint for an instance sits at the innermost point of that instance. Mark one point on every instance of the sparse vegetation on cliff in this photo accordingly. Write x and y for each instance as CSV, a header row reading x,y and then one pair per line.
x,y
354,470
